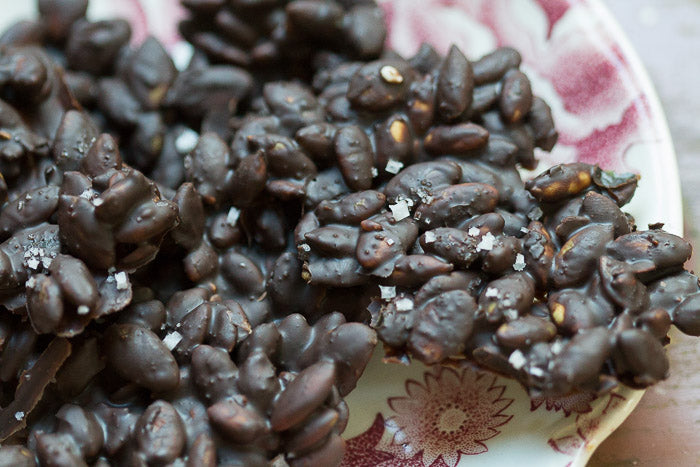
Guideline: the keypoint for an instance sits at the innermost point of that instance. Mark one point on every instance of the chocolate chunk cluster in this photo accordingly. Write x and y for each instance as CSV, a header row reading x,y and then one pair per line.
x,y
196,264
283,38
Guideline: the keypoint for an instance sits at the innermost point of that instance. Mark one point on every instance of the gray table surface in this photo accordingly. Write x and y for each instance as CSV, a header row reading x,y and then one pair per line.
x,y
665,428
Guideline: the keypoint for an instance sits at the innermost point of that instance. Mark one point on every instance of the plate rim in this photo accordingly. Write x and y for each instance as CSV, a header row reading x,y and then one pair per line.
x,y
674,214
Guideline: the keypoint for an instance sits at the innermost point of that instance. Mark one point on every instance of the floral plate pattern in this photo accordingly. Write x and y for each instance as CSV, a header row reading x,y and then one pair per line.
x,y
606,112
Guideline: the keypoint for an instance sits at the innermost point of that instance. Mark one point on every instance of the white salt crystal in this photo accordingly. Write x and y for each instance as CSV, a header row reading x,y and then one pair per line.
x,y
404,304
473,232
510,314
388,292
519,264
424,196
400,210
31,283
517,360
181,53
172,339
524,230
390,241
46,261
374,308
486,242
534,371
83,310
187,141
393,166
122,283
429,236
375,172
232,216
305,247
491,292
557,347
33,263
19,415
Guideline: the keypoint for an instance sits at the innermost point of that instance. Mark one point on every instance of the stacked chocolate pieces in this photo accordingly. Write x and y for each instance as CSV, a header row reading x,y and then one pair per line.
x,y
196,264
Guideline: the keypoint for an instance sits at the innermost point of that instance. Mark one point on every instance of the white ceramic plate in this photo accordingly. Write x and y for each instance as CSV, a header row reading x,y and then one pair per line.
x,y
608,113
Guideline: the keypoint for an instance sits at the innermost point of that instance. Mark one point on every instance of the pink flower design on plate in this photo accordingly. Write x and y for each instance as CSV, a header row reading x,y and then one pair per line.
x,y
451,415
579,403
586,426
571,57
147,17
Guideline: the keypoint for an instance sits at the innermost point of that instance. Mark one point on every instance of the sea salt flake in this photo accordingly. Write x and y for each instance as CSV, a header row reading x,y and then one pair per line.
x,y
430,236
510,314
557,347
534,371
187,141
424,196
400,210
375,172
486,242
83,310
491,292
33,263
388,292
390,241
181,53
172,339
232,216
122,283
404,304
519,264
524,230
473,232
46,262
393,166
374,309
19,415
305,247
517,360
31,283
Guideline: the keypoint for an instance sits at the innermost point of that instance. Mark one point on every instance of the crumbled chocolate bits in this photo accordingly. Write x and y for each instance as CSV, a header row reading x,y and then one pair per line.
x,y
196,262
